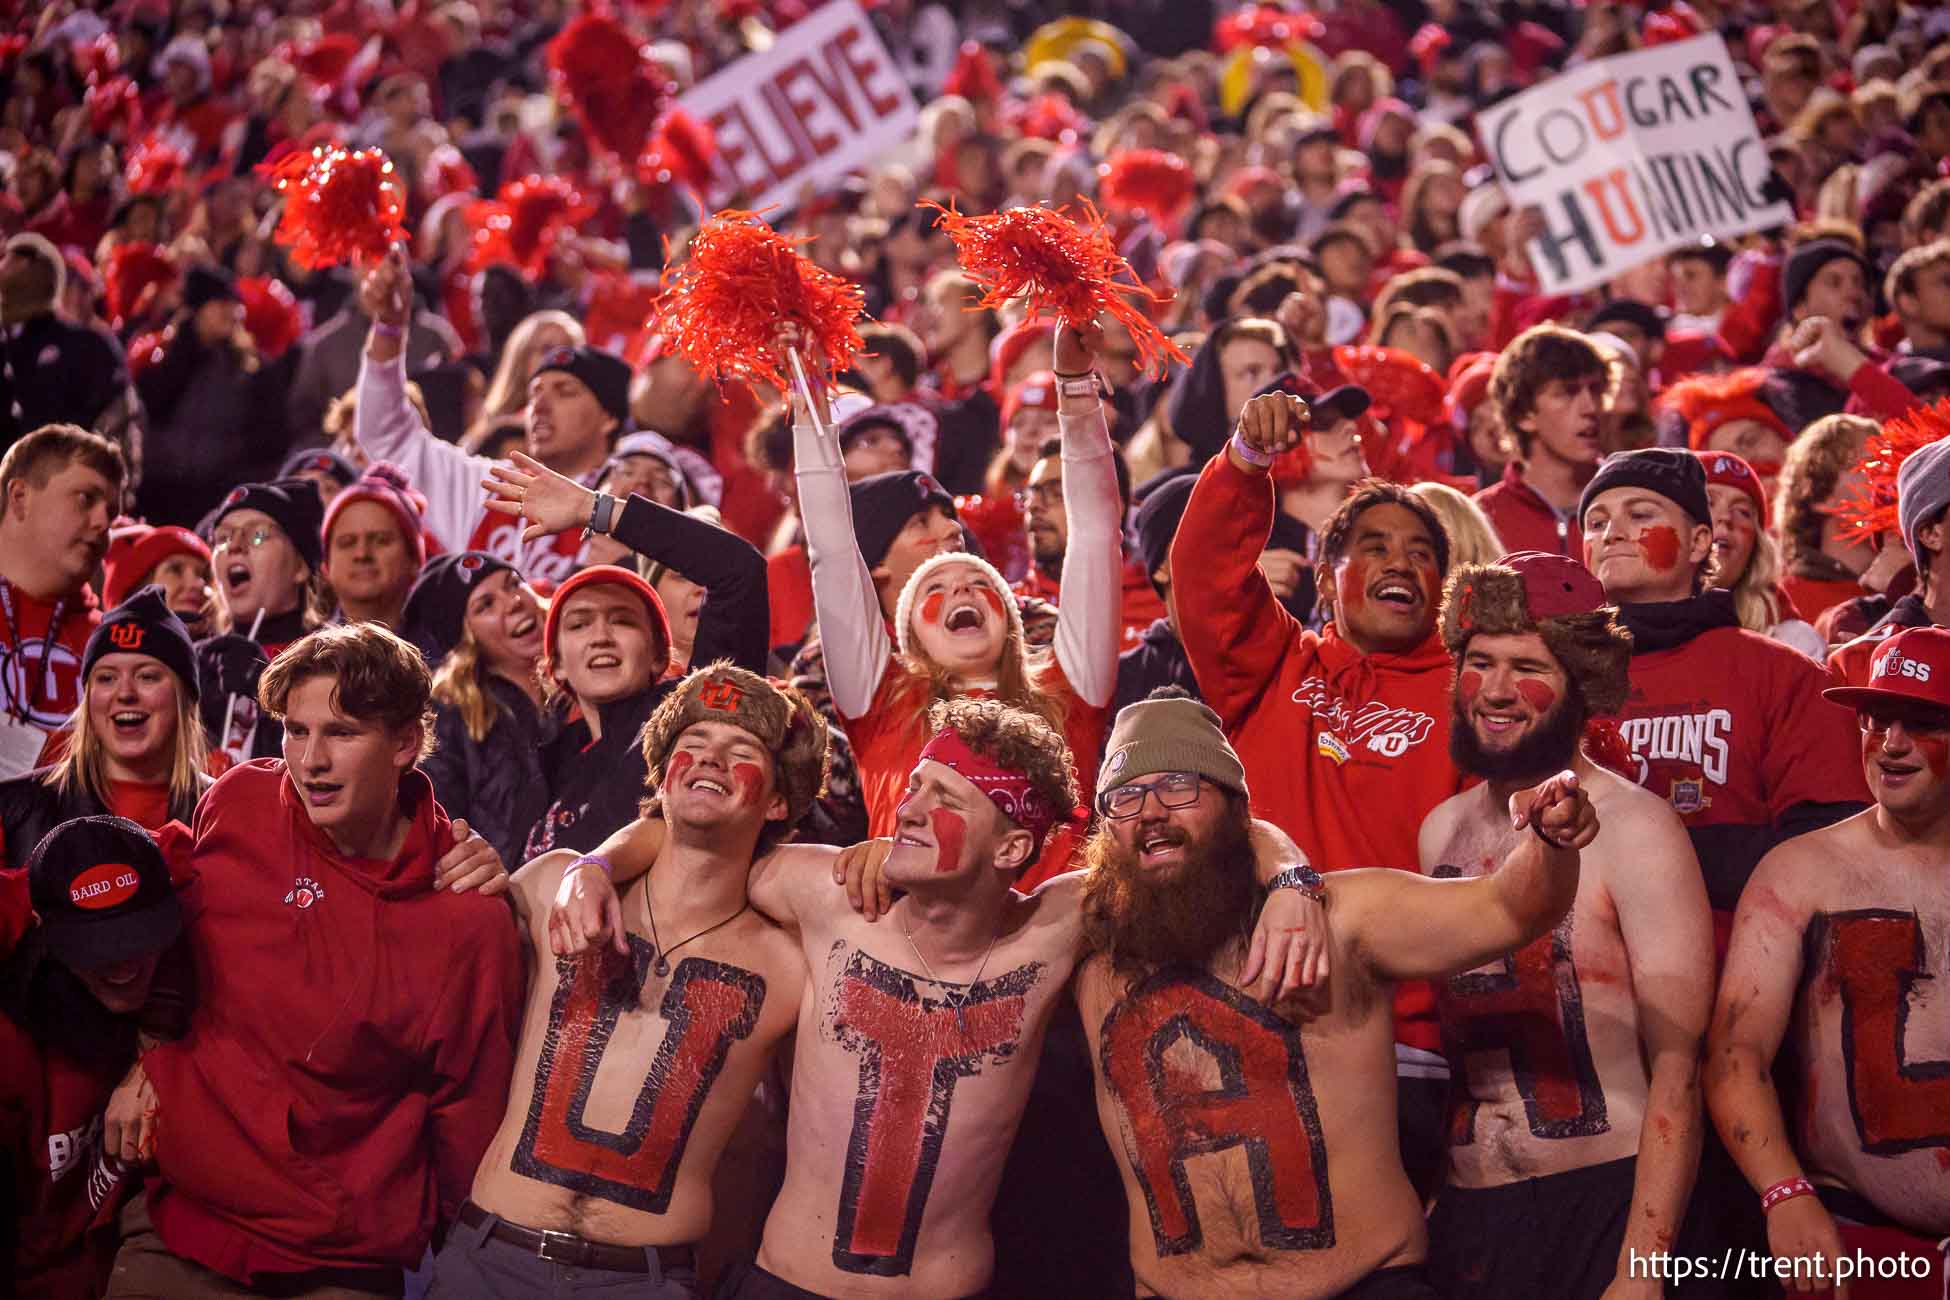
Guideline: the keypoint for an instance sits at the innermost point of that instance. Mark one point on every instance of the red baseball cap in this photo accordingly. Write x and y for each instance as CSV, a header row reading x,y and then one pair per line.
x,y
1730,470
1036,392
1555,585
1913,665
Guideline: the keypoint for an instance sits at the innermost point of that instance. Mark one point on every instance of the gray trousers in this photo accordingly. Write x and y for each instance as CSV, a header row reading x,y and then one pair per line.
x,y
474,1266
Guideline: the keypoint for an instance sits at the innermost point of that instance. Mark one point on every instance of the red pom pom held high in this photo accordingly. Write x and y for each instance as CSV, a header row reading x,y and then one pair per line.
x,y
1061,267
1869,513
339,206
723,309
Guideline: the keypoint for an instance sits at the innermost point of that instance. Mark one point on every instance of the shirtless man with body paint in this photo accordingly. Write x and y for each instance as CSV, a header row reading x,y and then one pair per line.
x,y
1578,1118
637,1061
918,1039
1259,1146
1839,950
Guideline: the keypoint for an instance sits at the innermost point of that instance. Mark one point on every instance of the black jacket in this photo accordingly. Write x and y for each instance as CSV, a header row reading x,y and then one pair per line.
x,y
497,784
596,786
54,372
736,622
1158,659
213,424
30,808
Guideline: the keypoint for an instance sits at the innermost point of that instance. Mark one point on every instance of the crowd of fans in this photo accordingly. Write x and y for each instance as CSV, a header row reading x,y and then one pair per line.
x,y
333,596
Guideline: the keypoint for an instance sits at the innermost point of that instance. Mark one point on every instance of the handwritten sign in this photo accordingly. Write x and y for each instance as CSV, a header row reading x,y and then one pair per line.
x,y
1629,157
826,99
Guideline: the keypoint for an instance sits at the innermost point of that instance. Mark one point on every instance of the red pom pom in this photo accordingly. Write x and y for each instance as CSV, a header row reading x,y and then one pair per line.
x,y
600,71
339,206
154,167
145,350
723,309
136,274
523,226
114,103
1068,269
97,60
1679,22
1401,384
973,77
271,314
682,150
1871,510
448,172
1604,744
1150,181
1264,25
1052,117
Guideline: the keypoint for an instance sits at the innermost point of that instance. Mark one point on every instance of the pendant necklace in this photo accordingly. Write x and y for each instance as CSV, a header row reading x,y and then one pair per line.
x,y
959,1008
662,963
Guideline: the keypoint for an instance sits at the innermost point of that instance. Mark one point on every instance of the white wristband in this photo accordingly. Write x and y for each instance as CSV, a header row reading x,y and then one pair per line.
x,y
1249,454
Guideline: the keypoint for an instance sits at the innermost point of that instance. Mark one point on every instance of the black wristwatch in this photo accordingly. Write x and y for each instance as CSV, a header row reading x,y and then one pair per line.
x,y
603,513
1302,878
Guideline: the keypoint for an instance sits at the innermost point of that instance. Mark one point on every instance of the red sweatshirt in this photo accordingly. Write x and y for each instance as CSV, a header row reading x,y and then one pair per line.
x,y
1344,751
42,682
1525,521
349,1057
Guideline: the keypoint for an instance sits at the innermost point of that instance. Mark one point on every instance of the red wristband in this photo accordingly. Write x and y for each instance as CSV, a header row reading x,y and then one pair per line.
x,y
1785,1190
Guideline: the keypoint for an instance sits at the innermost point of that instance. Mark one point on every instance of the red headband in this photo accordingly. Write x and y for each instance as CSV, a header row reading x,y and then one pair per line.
x,y
1006,788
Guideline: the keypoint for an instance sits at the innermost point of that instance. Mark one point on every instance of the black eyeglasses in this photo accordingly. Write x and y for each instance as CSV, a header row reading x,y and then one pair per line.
x,y
1174,790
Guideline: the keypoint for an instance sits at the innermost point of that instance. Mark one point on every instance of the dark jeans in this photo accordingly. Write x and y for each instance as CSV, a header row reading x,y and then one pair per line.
x,y
474,1266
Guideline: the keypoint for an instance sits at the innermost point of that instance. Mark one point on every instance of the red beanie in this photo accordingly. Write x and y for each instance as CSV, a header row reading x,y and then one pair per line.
x,y
1035,392
383,484
134,554
597,575
1011,343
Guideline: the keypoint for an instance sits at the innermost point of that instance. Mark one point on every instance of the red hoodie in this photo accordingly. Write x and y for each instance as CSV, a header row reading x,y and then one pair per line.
x,y
1525,521
1344,751
349,1057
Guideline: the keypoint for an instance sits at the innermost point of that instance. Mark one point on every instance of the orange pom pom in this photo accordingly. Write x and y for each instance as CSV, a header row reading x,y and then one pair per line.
x,y
723,309
339,206
1067,269
523,225
1872,510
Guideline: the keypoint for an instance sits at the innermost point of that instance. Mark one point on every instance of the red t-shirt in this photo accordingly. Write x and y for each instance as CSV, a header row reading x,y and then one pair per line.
x,y
146,803
889,737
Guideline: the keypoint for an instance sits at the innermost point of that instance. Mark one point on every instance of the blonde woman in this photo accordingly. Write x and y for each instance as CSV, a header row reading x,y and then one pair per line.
x,y
530,341
480,626
134,748
1746,560
1472,538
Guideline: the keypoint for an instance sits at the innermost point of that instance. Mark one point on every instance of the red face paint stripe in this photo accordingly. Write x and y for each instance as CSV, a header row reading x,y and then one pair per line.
x,y
1538,695
948,828
1530,1014
750,780
931,607
1468,686
912,1053
1660,545
708,1006
1264,1103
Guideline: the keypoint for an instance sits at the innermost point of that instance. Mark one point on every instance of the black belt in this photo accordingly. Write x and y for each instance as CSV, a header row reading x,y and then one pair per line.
x,y
577,1252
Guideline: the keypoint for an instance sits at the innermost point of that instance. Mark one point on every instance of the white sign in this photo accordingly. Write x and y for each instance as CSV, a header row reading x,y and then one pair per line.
x,y
1630,157
825,100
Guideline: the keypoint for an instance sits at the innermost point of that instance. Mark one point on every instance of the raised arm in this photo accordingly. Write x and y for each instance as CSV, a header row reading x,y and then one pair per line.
x,y
1089,622
388,428
1234,632
852,631
1750,1018
1407,926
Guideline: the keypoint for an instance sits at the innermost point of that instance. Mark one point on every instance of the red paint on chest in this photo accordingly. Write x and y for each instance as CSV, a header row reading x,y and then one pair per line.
x,y
1468,685
1538,695
1661,546
948,830
931,606
1899,1103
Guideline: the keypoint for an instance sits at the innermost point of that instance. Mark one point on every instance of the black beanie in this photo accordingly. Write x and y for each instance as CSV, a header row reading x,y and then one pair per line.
x,y
206,284
319,460
295,505
883,503
1672,472
1157,519
1805,263
436,608
605,374
144,625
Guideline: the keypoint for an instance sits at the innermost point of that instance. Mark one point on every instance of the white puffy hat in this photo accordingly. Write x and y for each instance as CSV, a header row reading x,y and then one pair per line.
x,y
904,607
